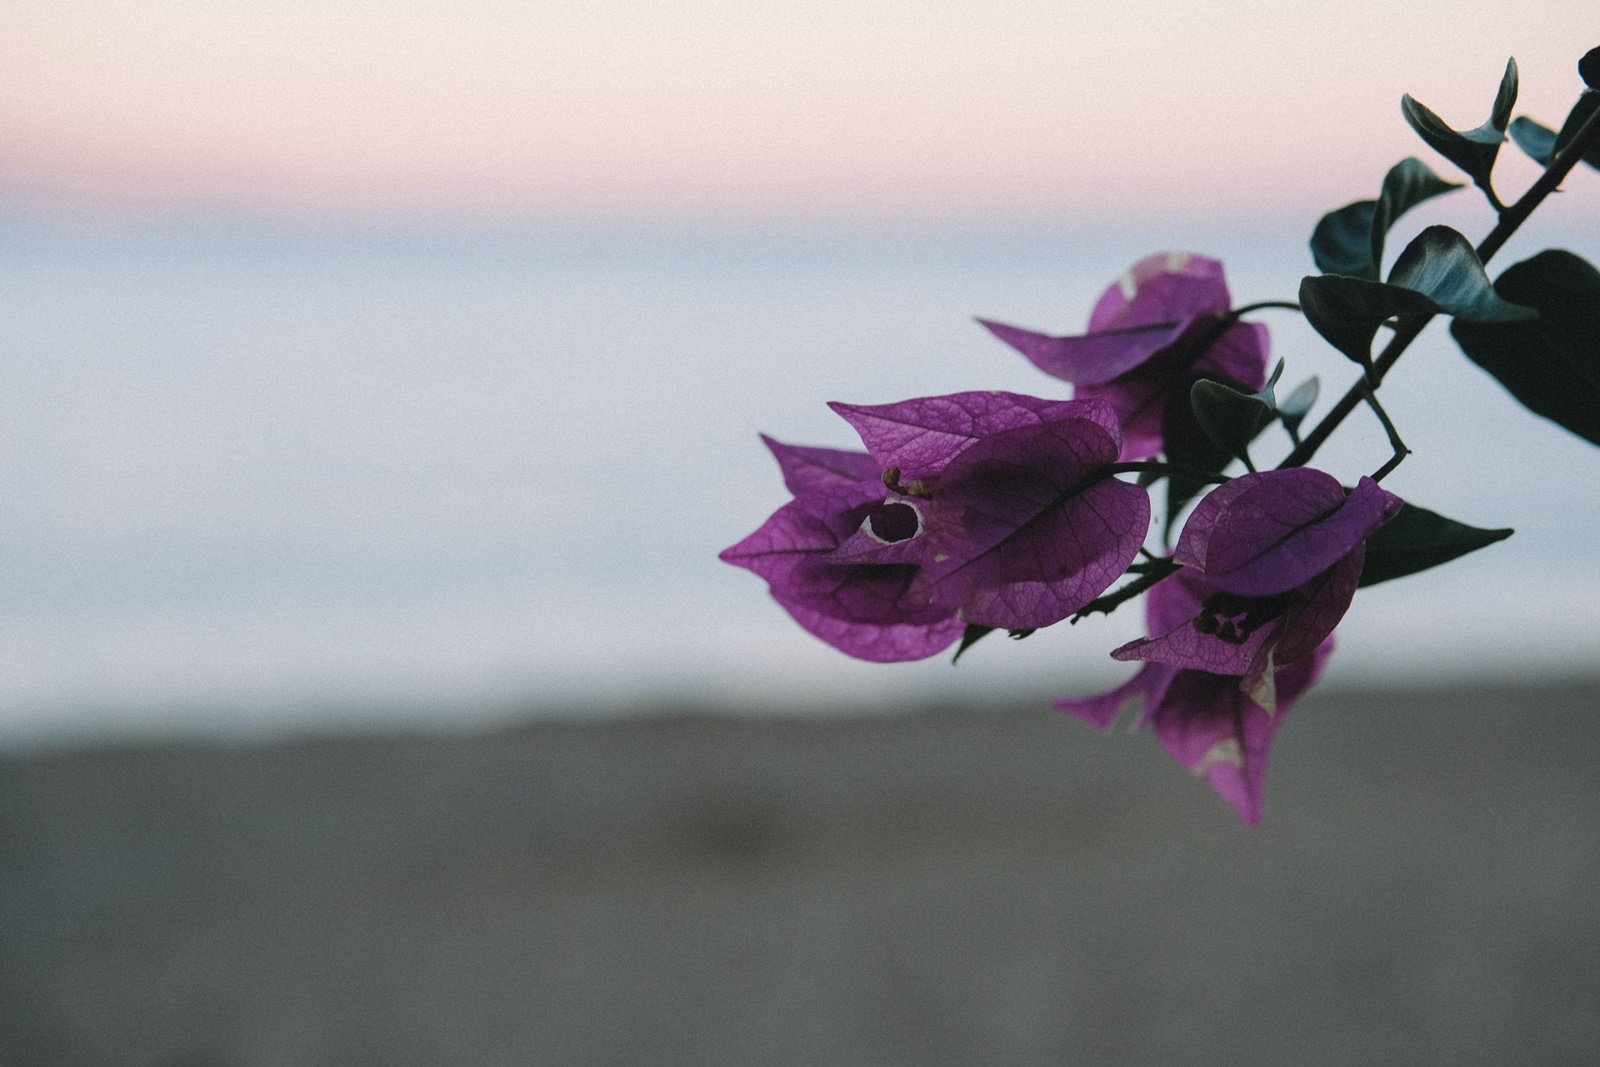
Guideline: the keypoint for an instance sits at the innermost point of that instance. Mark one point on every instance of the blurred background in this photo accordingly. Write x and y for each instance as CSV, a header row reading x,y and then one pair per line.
x,y
379,367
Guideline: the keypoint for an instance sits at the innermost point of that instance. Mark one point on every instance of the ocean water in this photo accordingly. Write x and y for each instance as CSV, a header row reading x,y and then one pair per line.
x,y
257,480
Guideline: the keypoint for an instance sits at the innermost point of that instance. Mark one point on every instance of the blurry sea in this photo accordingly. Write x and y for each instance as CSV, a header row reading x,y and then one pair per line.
x,y
258,479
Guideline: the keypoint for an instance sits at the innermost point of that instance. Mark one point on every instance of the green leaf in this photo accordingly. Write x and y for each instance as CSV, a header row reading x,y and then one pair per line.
x,y
1298,403
1589,68
1417,539
1186,444
1438,272
969,637
1442,264
1551,365
1267,396
1231,419
1587,104
1474,151
1538,141
1408,183
1342,241
1504,100
1347,311
1350,240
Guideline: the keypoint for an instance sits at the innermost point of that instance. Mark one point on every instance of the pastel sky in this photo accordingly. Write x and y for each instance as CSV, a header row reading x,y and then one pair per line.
x,y
911,111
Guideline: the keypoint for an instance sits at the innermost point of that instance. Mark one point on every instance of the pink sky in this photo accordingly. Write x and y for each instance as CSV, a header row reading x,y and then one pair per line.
x,y
904,111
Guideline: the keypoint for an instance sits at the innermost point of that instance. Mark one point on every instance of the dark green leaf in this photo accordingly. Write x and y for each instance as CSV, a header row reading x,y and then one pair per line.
x,y
1230,418
1587,105
1408,183
1342,241
1437,272
1474,151
1442,264
969,637
1018,635
1417,539
1552,364
1539,142
1589,68
1347,311
1298,403
1471,156
1267,396
1350,240
1504,101
1186,444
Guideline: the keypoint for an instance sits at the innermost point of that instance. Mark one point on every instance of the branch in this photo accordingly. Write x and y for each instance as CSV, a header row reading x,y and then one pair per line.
x,y
1105,605
1410,326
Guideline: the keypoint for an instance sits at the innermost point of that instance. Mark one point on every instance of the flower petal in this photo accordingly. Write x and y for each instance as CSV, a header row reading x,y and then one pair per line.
x,y
1023,531
1162,288
1144,396
890,532
1241,353
805,469
1306,626
1150,683
893,643
1093,358
1220,734
1288,628
815,522
1264,534
920,437
861,609
1174,601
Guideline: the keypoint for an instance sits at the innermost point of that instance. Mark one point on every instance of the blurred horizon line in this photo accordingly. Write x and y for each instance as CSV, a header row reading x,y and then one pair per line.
x,y
25,221
109,217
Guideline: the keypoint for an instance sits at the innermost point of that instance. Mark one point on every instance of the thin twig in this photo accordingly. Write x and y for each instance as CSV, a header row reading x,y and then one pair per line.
x,y
1115,599
1399,446
1286,305
1174,470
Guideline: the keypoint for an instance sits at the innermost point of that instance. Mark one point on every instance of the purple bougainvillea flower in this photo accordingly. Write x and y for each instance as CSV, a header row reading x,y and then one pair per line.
x,y
986,508
1024,525
1275,559
859,608
1202,719
1266,533
1156,331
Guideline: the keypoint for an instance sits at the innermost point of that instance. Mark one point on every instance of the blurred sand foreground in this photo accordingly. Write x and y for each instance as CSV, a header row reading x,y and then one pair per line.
x,y
955,887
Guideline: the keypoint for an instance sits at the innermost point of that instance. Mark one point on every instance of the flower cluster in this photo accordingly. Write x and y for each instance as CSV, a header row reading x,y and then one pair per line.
x,y
1270,563
983,511
997,510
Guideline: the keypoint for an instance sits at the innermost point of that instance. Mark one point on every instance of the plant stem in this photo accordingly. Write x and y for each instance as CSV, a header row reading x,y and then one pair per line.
x,y
1409,326
1399,446
1286,305
1160,569
1178,470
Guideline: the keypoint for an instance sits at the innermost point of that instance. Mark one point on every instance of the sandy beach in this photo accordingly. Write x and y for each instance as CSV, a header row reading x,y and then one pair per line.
x,y
956,886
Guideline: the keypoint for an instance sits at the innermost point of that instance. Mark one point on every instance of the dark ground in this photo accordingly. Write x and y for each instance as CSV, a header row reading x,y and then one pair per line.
x,y
995,888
